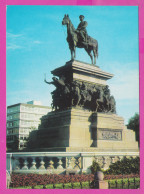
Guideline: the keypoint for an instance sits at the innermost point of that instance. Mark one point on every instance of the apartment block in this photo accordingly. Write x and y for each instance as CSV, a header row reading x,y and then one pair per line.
x,y
22,118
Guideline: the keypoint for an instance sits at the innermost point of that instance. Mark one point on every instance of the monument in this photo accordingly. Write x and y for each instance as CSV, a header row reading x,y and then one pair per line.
x,y
84,117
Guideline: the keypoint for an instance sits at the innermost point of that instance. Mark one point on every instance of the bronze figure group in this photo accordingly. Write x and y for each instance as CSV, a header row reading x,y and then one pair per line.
x,y
86,95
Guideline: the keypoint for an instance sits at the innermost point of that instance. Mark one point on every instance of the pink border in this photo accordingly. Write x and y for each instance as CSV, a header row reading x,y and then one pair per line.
x,y
3,4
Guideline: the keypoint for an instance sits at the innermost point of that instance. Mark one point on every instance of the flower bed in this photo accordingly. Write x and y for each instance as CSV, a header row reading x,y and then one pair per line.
x,y
39,179
19,180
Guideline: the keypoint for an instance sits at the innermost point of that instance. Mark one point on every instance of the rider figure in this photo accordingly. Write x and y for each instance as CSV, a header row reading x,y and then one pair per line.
x,y
81,29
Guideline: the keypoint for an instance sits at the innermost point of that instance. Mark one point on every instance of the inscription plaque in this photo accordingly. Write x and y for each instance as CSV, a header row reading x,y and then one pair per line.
x,y
107,134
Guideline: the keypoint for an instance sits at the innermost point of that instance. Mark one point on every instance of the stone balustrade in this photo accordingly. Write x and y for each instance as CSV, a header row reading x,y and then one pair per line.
x,y
60,162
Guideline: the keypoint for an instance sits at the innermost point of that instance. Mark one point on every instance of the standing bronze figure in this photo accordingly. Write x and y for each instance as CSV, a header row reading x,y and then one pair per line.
x,y
79,38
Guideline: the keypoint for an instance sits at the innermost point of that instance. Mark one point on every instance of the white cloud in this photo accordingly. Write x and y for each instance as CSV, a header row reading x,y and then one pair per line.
x,y
13,41
37,42
14,47
20,41
125,84
10,35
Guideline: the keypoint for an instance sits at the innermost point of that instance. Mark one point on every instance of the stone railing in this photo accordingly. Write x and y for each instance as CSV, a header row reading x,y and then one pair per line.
x,y
60,162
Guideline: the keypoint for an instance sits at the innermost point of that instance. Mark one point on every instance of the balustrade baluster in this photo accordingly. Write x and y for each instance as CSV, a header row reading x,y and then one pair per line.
x,y
60,164
120,157
33,167
51,165
25,167
42,164
112,159
69,163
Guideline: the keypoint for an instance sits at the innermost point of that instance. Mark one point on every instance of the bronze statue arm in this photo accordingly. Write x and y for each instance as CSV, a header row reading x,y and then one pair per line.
x,y
47,82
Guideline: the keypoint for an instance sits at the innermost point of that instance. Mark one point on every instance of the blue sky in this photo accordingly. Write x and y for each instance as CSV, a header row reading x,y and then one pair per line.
x,y
36,44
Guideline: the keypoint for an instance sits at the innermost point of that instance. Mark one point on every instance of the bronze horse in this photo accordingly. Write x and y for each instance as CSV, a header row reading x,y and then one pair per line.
x,y
74,41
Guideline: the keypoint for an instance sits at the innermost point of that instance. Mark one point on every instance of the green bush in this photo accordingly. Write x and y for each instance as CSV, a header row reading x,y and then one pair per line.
x,y
95,167
125,166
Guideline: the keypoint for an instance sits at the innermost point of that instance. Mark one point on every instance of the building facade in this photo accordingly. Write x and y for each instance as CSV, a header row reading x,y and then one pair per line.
x,y
21,120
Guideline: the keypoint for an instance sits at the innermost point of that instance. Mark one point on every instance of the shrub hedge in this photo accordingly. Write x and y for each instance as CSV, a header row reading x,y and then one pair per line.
x,y
125,166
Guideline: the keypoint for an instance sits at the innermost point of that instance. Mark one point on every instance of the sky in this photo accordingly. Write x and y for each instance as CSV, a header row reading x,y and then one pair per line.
x,y
36,45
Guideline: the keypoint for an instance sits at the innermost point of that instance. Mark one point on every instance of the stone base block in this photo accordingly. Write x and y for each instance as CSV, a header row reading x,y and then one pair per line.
x,y
79,130
101,185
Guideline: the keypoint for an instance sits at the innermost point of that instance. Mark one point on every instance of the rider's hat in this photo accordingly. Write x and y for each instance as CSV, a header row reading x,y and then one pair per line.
x,y
81,16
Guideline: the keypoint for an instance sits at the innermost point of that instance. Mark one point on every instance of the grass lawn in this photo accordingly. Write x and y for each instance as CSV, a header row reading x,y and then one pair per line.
x,y
85,185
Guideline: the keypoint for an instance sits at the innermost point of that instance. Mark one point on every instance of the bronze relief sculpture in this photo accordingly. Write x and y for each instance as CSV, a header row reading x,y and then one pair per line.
x,y
81,94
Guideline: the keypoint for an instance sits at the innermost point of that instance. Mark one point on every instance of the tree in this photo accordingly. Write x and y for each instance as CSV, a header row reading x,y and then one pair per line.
x,y
15,145
133,124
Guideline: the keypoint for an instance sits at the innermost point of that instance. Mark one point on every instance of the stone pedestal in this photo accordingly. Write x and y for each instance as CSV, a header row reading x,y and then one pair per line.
x,y
77,70
77,130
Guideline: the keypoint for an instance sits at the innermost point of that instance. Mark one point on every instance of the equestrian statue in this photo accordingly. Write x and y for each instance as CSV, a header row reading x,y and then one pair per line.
x,y
79,38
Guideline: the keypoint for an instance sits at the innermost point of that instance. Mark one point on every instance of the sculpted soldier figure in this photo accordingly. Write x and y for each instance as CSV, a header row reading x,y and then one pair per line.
x,y
61,94
107,97
81,29
112,104
57,83
75,93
